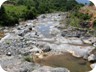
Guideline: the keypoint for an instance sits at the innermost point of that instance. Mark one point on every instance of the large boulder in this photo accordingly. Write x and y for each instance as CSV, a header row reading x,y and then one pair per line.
x,y
92,58
90,40
93,66
51,69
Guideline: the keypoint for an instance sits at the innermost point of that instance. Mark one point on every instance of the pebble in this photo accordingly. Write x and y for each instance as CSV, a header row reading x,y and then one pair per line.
x,y
9,54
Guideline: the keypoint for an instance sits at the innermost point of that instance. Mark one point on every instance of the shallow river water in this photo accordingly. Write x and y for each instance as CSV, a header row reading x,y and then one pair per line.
x,y
44,29
67,60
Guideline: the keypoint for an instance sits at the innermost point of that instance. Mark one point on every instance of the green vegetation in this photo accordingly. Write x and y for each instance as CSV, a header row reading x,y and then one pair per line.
x,y
91,4
17,10
94,24
11,14
28,58
78,19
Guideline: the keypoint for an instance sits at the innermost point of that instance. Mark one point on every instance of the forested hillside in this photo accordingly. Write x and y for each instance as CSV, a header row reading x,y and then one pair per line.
x,y
14,11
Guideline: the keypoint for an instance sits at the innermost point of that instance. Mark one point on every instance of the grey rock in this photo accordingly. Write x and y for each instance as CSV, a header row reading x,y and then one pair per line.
x,y
92,58
18,28
21,33
46,49
24,70
73,33
64,33
30,29
25,53
51,69
94,44
85,56
9,54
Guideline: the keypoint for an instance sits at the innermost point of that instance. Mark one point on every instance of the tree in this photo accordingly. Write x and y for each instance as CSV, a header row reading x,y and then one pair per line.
x,y
91,4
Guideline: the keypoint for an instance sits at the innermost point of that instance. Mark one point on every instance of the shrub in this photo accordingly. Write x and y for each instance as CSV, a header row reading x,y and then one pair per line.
x,y
28,58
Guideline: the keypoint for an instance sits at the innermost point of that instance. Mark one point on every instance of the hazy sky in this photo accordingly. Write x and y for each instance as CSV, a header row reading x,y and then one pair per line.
x,y
2,1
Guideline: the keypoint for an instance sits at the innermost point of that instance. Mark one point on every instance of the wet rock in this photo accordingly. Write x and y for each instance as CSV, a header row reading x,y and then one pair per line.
x,y
51,69
92,58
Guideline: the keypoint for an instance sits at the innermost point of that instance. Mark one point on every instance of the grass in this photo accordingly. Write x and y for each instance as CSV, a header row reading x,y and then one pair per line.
x,y
74,21
17,10
28,58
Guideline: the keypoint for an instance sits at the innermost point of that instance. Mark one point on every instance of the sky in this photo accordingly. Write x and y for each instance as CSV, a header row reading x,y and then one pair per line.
x,y
1,2
87,1
83,1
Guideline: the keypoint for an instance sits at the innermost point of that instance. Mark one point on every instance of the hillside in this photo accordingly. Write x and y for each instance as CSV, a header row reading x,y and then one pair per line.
x,y
90,10
14,11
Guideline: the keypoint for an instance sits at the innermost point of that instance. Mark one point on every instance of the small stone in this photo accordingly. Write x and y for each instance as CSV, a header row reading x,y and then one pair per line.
x,y
9,54
64,33
30,29
35,33
20,34
37,51
19,28
33,26
46,49
24,70
94,44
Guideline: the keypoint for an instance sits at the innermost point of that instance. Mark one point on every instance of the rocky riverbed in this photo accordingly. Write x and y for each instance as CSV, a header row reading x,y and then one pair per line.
x,y
48,35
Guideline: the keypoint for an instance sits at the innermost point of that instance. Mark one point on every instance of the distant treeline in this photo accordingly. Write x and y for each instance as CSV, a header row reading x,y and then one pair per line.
x,y
14,11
